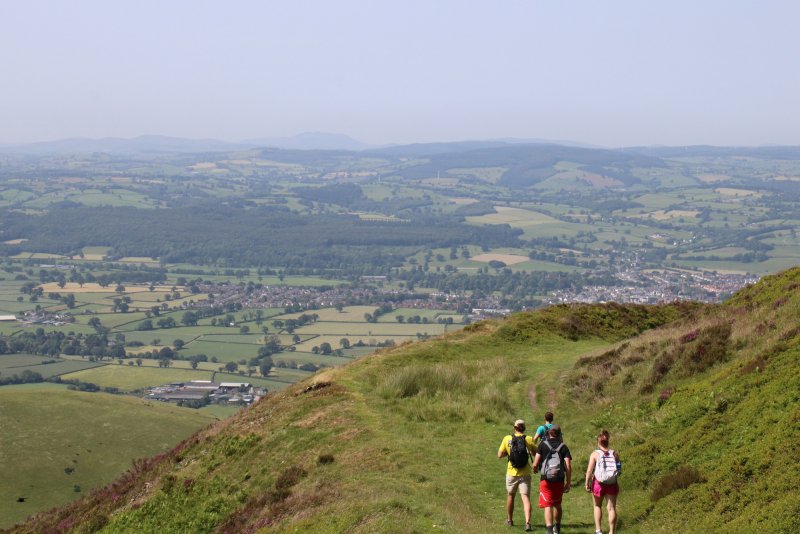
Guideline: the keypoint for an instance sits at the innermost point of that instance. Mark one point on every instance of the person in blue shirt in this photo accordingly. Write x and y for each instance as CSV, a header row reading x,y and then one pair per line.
x,y
541,432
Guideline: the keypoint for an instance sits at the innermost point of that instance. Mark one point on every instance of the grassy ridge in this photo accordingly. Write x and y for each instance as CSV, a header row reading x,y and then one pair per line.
x,y
707,412
404,441
58,444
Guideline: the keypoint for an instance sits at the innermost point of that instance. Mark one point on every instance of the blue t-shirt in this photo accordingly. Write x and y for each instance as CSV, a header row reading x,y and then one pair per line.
x,y
540,432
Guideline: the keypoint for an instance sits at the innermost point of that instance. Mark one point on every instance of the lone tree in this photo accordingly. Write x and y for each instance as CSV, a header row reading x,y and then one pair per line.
x,y
265,366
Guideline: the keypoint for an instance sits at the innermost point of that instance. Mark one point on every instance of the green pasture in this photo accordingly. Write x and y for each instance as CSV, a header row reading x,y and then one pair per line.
x,y
87,442
8,328
349,314
131,378
10,361
166,335
225,352
66,328
300,357
247,339
11,364
12,196
335,340
371,329
12,306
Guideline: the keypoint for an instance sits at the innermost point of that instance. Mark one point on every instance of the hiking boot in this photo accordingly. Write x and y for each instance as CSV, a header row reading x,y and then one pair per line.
x,y
556,530
528,527
509,523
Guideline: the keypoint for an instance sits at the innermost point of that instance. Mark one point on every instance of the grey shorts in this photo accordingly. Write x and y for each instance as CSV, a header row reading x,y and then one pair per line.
x,y
523,484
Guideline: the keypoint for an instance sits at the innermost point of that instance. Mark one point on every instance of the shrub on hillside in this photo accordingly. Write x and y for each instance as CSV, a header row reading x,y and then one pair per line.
x,y
680,478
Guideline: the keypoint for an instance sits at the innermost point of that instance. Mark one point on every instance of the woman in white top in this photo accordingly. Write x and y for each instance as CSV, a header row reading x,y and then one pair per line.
x,y
601,481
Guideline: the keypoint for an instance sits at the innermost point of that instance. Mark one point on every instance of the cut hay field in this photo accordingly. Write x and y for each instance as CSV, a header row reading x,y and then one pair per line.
x,y
91,287
411,312
87,442
516,217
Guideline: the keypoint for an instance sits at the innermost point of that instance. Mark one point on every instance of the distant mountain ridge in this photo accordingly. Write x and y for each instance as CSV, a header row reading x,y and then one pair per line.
x,y
302,141
312,141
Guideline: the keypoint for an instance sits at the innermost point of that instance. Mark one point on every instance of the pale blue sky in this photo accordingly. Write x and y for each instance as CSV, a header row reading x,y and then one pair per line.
x,y
608,72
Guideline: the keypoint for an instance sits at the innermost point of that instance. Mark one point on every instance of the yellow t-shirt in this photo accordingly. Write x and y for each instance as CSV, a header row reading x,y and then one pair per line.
x,y
505,445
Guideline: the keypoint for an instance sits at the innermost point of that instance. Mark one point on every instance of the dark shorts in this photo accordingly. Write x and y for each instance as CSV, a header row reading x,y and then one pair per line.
x,y
600,490
550,493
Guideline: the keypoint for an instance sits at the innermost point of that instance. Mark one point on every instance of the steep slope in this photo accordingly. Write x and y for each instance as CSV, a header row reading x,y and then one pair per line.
x,y
405,441
708,414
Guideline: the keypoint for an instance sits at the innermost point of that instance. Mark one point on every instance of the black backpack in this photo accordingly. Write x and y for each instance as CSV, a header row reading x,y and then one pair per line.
x,y
518,455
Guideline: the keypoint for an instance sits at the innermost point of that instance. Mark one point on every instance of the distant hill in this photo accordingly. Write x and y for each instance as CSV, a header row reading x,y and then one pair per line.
x,y
311,141
702,401
764,152
118,145
520,165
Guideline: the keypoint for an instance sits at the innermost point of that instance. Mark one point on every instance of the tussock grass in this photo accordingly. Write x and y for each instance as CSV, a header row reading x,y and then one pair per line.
x,y
453,391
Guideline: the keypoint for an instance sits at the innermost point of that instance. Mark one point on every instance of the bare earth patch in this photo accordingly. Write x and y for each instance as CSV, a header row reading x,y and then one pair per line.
x,y
508,259
15,241
72,287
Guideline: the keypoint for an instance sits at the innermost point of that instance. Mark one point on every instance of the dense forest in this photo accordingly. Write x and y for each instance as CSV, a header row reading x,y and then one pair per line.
x,y
265,236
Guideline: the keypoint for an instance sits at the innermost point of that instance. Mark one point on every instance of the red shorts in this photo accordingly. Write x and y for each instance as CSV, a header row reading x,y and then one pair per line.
x,y
599,490
550,493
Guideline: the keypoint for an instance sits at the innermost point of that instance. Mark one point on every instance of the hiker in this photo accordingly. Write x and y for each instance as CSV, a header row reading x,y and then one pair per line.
x,y
543,428
554,462
518,448
601,480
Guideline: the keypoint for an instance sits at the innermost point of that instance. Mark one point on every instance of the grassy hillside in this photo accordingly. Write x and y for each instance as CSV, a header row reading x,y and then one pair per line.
x,y
56,444
704,410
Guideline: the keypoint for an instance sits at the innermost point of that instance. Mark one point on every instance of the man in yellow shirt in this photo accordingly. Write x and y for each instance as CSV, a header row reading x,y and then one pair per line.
x,y
518,448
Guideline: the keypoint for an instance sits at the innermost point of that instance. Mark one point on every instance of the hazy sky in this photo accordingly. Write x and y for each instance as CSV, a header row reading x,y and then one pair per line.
x,y
608,72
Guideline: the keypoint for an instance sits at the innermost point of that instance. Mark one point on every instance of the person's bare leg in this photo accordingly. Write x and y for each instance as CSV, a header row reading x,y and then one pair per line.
x,y
548,516
557,514
612,513
526,504
510,507
598,511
